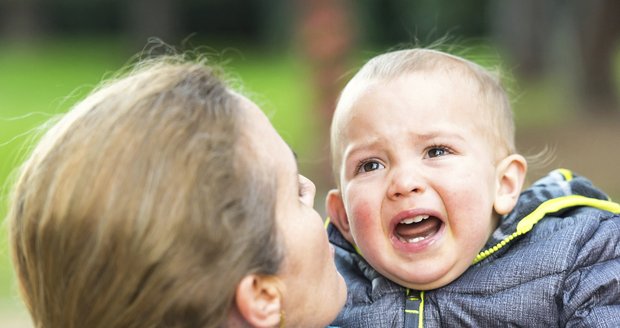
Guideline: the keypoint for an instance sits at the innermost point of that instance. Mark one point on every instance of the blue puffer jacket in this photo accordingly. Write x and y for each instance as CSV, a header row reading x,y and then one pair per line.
x,y
553,262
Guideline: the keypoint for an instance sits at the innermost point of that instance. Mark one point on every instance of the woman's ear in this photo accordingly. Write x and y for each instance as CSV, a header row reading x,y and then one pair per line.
x,y
510,177
337,213
259,300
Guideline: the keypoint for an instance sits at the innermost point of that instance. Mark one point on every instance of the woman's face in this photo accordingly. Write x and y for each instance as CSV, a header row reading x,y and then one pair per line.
x,y
314,292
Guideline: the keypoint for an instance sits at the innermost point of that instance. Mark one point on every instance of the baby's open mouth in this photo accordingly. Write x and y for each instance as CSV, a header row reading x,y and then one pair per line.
x,y
417,228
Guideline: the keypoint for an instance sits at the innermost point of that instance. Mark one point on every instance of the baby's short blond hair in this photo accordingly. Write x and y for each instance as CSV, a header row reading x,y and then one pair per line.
x,y
500,126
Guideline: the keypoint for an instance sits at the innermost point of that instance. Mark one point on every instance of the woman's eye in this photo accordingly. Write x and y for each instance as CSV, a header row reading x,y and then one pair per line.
x,y
306,190
369,166
437,152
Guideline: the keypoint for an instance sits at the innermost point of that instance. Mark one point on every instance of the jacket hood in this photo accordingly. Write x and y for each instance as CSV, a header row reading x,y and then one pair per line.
x,y
557,192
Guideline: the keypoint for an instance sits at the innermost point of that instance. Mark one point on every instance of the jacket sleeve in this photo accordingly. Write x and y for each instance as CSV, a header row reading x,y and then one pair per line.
x,y
591,294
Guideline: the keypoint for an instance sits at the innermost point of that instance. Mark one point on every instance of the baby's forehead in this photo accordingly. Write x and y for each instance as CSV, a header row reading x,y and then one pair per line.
x,y
440,85
492,116
476,113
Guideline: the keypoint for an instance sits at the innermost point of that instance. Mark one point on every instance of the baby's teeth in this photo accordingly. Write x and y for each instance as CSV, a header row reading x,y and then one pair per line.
x,y
411,240
416,239
419,218
416,219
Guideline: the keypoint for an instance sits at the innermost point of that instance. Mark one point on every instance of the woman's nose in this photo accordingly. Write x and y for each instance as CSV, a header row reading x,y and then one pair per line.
x,y
405,182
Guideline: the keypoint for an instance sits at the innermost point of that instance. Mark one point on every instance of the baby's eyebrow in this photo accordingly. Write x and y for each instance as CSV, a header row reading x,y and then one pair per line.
x,y
421,137
439,134
350,151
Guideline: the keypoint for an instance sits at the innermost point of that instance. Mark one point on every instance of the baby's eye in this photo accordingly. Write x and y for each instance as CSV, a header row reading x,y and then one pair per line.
x,y
437,151
369,166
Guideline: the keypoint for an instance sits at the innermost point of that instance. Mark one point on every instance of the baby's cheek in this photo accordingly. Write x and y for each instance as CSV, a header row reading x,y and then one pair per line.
x,y
472,213
361,220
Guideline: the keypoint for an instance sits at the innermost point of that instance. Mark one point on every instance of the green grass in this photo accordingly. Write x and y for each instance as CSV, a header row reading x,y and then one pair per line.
x,y
43,81
39,82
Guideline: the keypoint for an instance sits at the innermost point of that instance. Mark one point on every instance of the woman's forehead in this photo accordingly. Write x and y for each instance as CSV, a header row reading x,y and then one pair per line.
x,y
264,140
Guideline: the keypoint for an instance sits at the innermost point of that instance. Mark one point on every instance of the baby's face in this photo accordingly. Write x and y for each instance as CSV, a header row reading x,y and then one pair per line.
x,y
418,177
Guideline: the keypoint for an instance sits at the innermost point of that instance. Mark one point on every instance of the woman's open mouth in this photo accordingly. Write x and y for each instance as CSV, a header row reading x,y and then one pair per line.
x,y
416,231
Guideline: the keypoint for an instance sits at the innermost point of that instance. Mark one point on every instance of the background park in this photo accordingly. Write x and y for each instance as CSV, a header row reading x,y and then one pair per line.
x,y
559,59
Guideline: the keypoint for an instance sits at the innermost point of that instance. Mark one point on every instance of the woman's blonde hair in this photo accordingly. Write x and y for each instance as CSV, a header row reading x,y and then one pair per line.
x,y
140,208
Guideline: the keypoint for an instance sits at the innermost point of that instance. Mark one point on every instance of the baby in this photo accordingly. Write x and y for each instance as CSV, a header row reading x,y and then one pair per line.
x,y
429,220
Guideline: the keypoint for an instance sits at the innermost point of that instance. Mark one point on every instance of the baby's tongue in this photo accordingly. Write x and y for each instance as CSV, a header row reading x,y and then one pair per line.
x,y
422,229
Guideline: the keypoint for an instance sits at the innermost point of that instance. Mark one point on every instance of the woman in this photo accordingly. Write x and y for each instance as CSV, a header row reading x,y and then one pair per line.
x,y
165,199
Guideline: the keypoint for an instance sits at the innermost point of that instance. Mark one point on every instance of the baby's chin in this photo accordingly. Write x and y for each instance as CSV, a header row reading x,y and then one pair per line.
x,y
425,280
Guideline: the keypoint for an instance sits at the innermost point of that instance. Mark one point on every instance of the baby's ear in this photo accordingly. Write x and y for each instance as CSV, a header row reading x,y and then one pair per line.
x,y
510,176
259,300
337,214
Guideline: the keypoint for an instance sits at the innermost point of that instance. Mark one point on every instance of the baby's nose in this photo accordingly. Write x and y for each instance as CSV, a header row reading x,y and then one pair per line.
x,y
405,182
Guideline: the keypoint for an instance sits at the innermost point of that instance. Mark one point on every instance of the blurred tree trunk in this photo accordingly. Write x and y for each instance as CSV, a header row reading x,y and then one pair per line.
x,y
327,36
152,19
522,28
575,39
22,20
598,29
